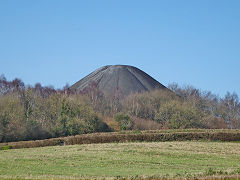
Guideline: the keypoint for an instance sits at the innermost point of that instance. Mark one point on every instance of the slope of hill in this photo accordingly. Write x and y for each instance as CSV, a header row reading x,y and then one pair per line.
x,y
122,78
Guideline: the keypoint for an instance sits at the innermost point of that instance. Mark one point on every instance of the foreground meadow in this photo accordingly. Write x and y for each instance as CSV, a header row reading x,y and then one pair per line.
x,y
159,159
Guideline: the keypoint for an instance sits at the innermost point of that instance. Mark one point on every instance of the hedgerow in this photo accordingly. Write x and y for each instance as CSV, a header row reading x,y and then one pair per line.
x,y
132,136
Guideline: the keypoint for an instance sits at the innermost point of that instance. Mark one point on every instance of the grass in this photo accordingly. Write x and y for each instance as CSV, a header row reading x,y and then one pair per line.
x,y
148,159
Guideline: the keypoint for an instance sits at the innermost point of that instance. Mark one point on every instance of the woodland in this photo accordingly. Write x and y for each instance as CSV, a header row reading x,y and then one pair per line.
x,y
38,112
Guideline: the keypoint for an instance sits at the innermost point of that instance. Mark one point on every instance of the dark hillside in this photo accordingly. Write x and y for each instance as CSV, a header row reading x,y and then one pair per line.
x,y
121,78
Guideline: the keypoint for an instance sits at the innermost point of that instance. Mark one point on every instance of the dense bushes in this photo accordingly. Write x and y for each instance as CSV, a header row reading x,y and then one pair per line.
x,y
39,118
175,114
187,107
11,120
30,113
124,121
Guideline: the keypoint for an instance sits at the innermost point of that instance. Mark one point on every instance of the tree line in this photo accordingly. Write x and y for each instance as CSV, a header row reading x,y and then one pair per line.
x,y
37,112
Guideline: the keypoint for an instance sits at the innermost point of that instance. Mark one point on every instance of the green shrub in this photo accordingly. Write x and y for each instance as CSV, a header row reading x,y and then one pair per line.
x,y
124,121
5,147
177,115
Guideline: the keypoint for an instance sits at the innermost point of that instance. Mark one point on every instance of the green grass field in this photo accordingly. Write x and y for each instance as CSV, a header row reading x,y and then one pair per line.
x,y
159,159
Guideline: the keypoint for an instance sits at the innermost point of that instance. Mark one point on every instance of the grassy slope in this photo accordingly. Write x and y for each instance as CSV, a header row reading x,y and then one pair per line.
x,y
120,159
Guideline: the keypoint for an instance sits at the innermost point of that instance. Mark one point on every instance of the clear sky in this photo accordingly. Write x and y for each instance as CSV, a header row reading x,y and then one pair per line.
x,y
54,42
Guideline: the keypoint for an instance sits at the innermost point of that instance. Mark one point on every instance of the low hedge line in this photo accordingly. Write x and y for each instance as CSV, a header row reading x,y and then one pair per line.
x,y
147,136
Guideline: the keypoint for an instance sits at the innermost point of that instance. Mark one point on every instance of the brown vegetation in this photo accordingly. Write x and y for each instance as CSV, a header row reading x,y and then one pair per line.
x,y
132,136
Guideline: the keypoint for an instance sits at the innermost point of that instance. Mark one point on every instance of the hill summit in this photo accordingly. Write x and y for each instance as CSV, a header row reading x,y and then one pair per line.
x,y
122,78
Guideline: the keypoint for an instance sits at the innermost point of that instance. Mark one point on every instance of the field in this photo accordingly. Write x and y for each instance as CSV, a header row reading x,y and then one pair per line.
x,y
115,160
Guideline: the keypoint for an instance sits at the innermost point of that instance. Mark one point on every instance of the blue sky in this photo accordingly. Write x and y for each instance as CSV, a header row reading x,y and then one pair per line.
x,y
191,42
